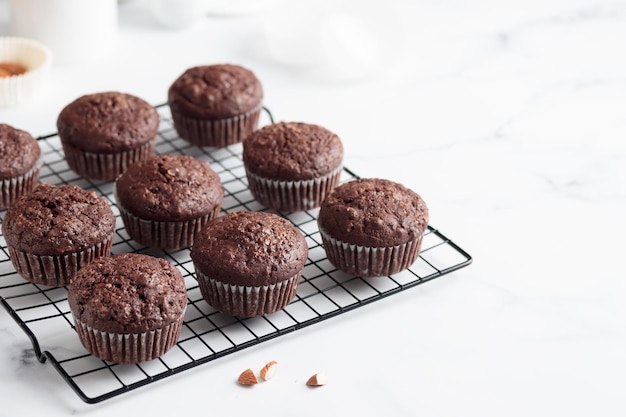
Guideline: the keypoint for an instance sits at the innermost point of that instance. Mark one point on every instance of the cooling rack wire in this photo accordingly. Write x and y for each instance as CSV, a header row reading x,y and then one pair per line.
x,y
323,293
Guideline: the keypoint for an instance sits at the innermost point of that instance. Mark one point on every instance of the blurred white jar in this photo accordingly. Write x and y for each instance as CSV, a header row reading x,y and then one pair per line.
x,y
336,39
177,14
76,31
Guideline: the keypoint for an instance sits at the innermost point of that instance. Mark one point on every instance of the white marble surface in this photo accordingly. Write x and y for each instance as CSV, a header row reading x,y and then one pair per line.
x,y
508,117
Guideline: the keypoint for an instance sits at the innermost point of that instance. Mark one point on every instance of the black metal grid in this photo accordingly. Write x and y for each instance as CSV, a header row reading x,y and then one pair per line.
x,y
43,313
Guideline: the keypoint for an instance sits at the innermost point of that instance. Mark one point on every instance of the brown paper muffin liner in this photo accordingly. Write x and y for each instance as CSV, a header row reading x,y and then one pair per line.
x,y
56,270
164,235
105,166
247,301
292,195
130,348
365,261
216,133
13,188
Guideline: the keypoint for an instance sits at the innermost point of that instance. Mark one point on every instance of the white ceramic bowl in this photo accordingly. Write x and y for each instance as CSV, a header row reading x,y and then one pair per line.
x,y
35,57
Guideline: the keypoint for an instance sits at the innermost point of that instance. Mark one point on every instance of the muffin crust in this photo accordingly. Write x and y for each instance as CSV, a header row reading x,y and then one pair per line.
x,y
19,152
169,188
373,212
212,92
57,220
250,249
107,122
291,151
128,293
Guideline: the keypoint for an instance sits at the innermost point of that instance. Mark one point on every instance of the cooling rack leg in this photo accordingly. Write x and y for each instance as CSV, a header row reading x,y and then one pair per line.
x,y
40,356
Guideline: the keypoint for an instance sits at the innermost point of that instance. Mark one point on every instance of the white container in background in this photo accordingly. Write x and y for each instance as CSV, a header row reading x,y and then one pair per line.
x,y
76,31
177,14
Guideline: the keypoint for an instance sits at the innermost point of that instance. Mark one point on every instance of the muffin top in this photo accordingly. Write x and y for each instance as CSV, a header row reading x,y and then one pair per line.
x,y
250,248
128,293
290,151
373,212
19,152
108,122
58,220
169,188
212,92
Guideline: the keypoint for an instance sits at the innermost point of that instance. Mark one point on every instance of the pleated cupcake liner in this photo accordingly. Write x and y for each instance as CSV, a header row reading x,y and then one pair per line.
x,y
129,348
105,166
13,188
216,133
36,57
367,262
292,196
56,270
164,235
247,301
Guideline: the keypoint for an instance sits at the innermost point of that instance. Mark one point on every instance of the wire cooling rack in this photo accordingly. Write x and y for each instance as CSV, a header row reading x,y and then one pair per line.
x,y
324,292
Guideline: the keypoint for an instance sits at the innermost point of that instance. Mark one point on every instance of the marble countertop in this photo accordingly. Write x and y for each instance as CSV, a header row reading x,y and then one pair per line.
x,y
508,117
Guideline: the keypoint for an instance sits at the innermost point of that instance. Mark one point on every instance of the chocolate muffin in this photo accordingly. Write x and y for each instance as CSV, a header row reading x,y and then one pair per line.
x,y
128,308
215,105
292,166
20,163
165,200
372,227
249,263
103,133
55,230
